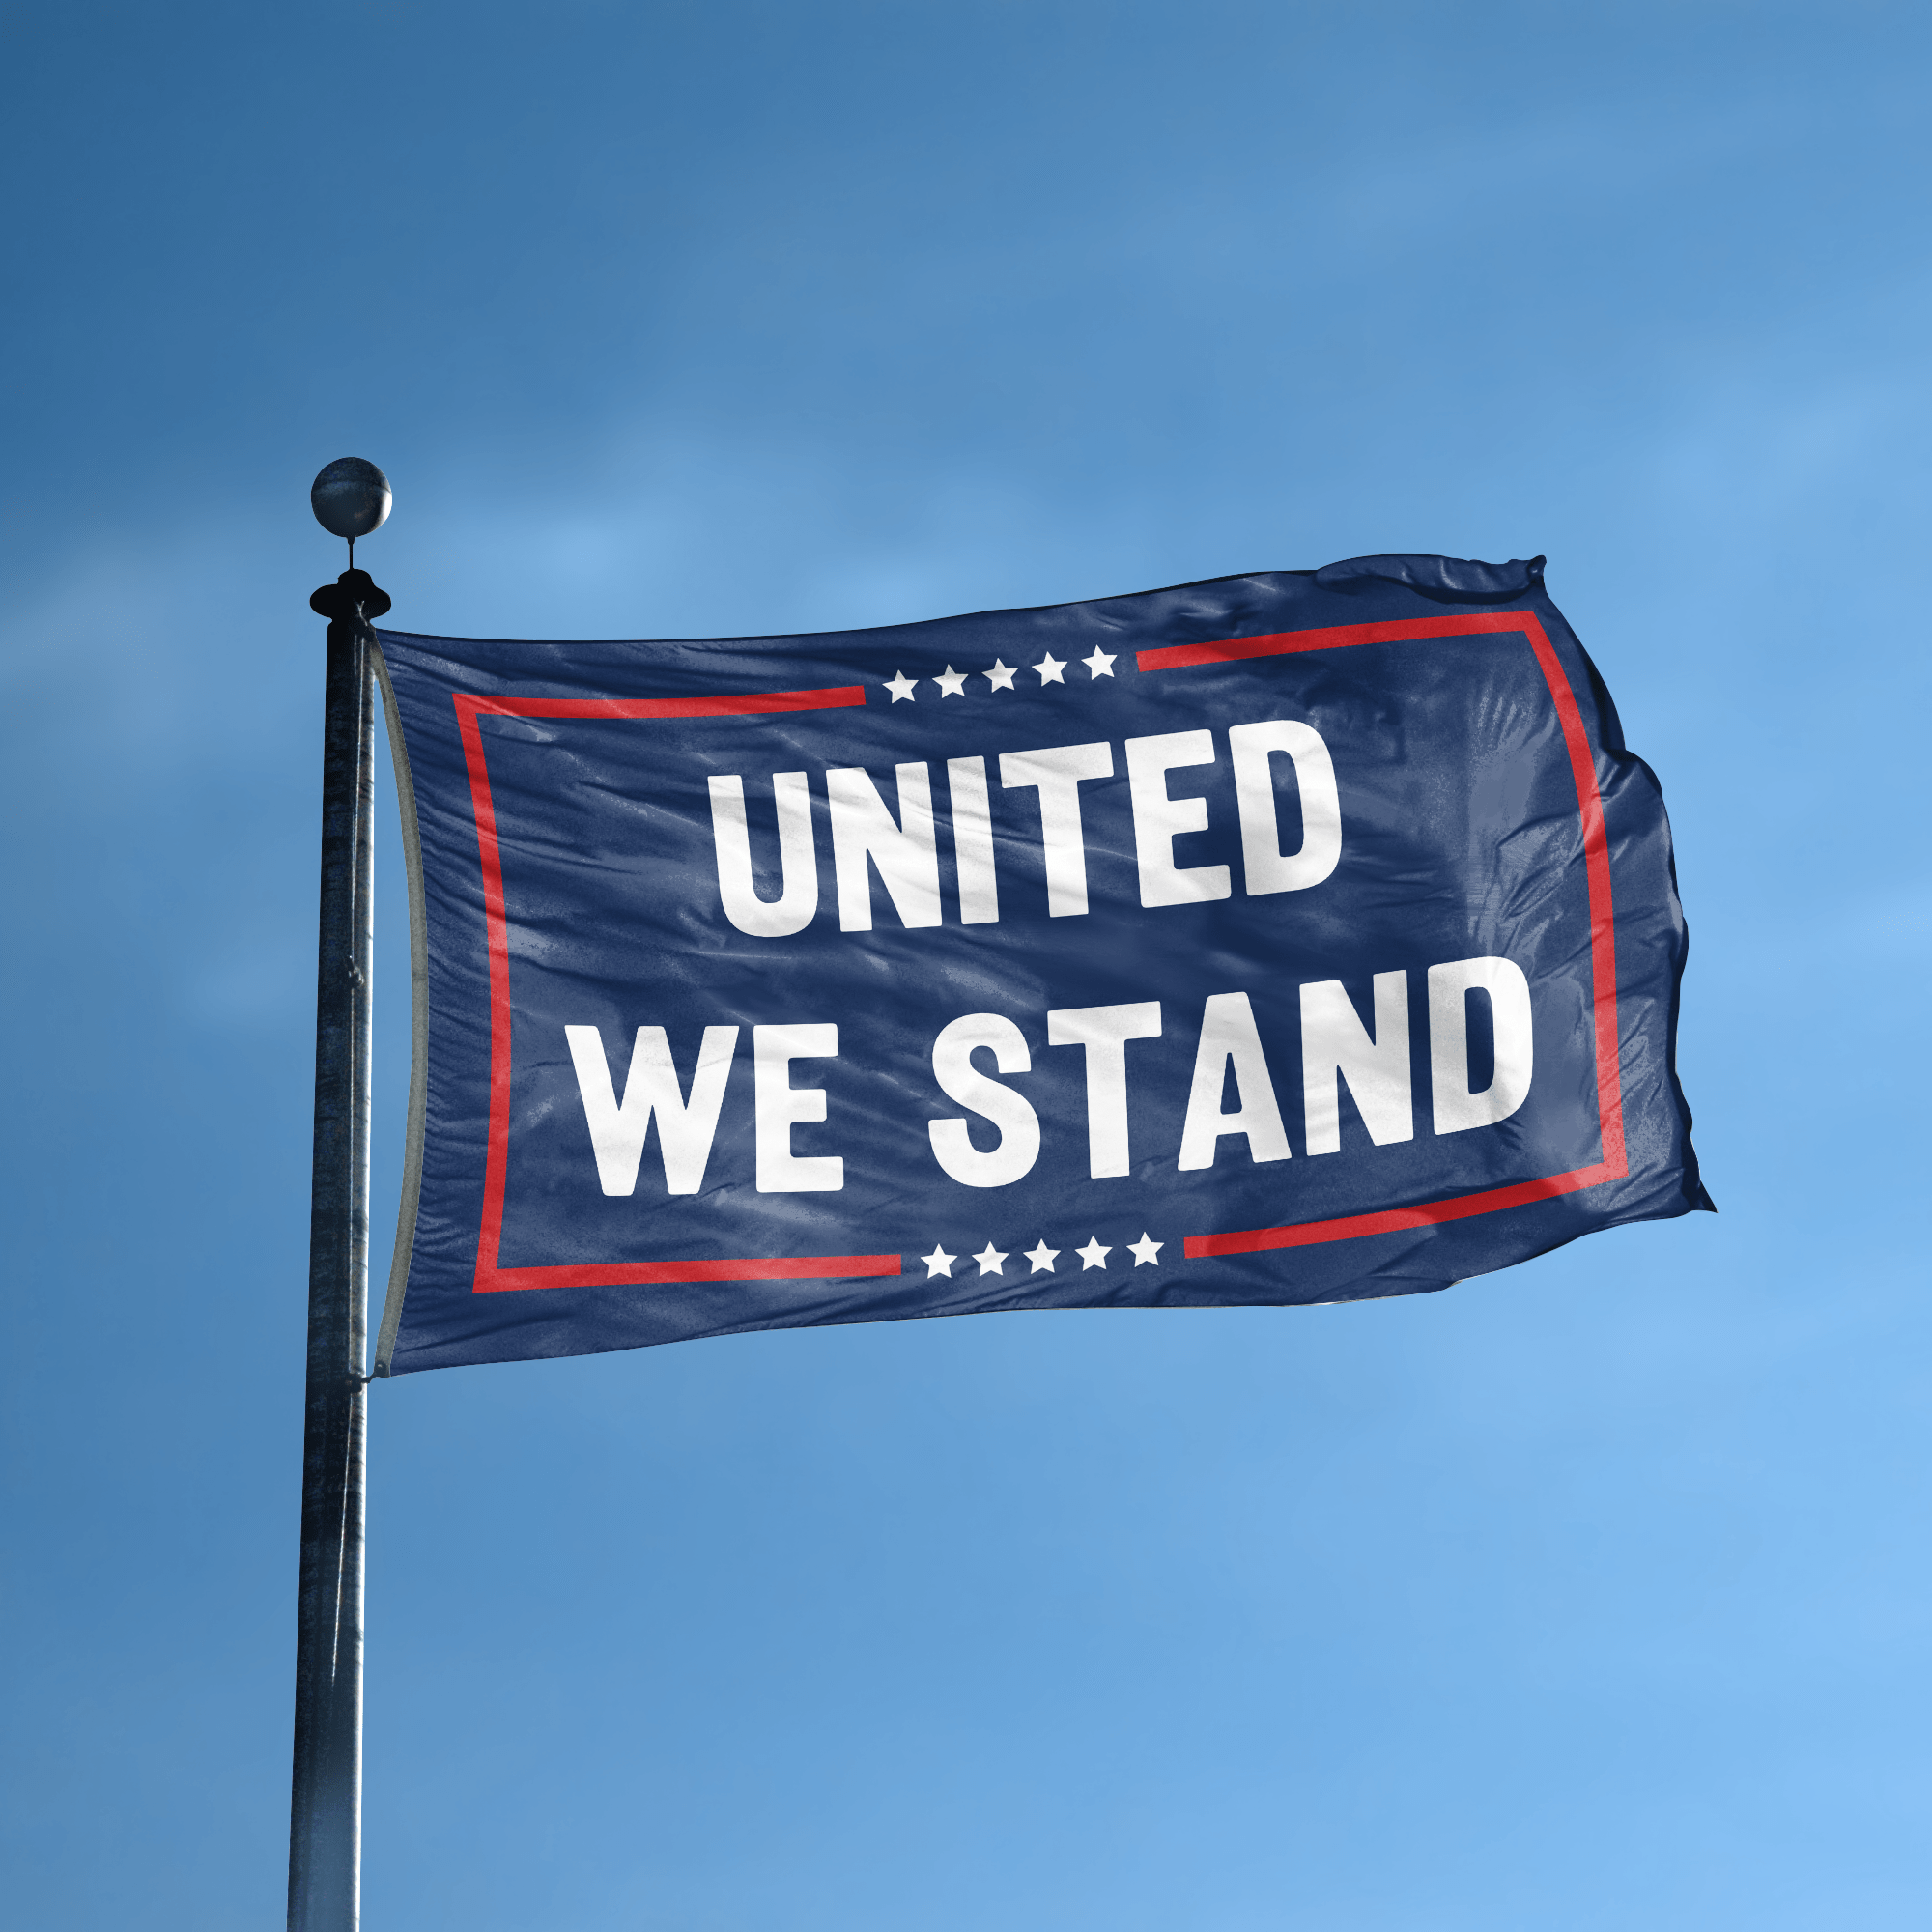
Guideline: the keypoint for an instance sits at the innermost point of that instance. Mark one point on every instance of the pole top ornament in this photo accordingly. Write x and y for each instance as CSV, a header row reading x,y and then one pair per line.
x,y
350,497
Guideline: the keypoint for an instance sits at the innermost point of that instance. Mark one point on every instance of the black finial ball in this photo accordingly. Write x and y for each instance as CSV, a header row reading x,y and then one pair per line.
x,y
350,497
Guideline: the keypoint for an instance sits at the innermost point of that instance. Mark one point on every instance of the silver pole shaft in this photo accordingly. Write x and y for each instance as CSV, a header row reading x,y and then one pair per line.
x,y
325,1822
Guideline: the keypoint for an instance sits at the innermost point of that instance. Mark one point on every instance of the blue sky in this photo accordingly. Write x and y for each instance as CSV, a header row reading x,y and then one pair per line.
x,y
1594,1594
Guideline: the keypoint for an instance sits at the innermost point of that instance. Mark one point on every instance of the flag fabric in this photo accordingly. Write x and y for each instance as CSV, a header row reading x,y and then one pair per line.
x,y
1300,937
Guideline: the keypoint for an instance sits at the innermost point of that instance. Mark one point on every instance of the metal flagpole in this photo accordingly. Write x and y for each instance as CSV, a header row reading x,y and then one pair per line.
x,y
350,499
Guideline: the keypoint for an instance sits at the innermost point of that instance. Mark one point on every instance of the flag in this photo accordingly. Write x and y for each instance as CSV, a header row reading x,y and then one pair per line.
x,y
1300,937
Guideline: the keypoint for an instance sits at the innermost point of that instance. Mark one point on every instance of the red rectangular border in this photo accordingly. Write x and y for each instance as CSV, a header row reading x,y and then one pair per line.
x,y
490,1279
1615,1163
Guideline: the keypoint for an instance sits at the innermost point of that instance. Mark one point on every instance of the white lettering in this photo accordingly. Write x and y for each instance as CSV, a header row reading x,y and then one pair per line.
x,y
1336,1046
961,1080
905,851
1059,773
779,1106
1456,1107
685,1130
798,897
1160,820
1266,867
1104,1031
973,842
1229,1038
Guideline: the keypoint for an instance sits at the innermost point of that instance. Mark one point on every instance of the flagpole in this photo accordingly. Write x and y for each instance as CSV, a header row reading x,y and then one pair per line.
x,y
326,1809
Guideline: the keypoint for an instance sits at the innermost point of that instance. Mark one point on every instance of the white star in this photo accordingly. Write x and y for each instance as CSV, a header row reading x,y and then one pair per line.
x,y
1101,663
900,685
1145,1249
938,1262
1049,668
992,1261
1001,676
952,683
1043,1258
1093,1254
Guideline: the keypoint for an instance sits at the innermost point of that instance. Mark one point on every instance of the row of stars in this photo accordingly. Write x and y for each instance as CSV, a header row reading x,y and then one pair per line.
x,y
1146,1252
952,683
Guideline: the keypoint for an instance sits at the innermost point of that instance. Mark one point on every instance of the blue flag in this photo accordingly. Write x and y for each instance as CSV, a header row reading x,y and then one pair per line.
x,y
1301,937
